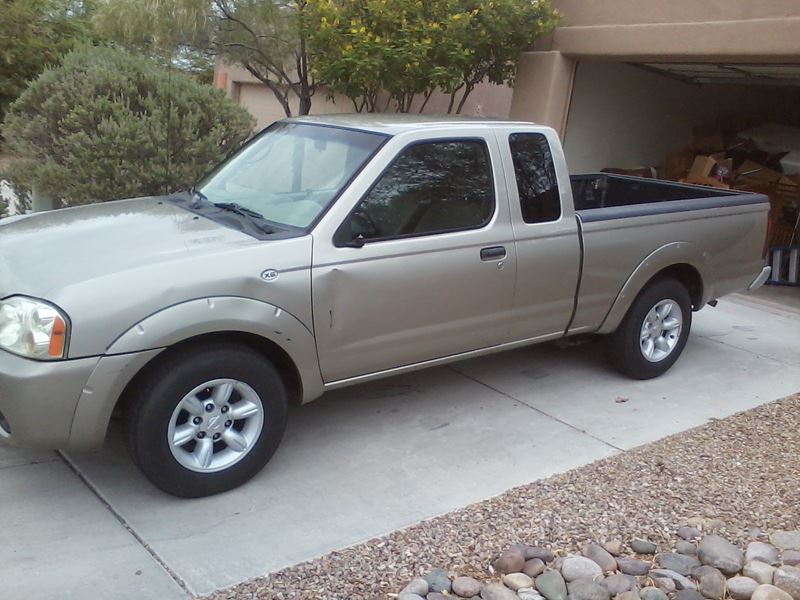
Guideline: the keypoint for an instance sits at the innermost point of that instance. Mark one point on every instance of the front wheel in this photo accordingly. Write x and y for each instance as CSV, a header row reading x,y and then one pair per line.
x,y
206,419
653,334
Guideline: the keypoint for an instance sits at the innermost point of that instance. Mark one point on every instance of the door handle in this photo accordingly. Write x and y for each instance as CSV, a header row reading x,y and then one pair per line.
x,y
493,253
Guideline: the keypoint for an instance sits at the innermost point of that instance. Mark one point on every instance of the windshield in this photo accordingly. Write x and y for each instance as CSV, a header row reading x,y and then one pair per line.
x,y
291,172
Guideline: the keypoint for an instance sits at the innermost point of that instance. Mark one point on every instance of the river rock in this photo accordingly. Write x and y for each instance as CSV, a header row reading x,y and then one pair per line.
x,y
788,579
766,553
791,557
689,595
665,584
542,554
687,548
680,563
601,556
619,583
582,589
786,540
769,592
437,596
529,594
416,586
651,593
741,588
497,591
632,566
466,587
689,533
438,581
551,585
681,582
632,595
760,571
641,546
534,567
580,567
517,580
613,547
716,551
409,596
511,561
711,582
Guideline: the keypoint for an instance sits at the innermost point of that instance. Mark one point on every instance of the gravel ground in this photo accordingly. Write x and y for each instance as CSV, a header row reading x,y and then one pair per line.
x,y
743,471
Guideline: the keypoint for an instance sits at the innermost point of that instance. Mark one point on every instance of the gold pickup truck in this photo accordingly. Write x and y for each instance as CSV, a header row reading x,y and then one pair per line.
x,y
334,250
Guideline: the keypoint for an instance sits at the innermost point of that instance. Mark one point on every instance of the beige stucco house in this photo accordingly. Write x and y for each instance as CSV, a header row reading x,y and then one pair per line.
x,y
624,81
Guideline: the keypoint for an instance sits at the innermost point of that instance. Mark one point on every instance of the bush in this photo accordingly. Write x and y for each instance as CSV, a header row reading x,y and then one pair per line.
x,y
108,124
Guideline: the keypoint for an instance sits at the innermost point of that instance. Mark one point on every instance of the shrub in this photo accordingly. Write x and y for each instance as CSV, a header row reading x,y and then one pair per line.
x,y
108,124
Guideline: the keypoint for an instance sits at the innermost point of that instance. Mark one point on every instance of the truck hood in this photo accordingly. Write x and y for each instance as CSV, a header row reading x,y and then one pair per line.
x,y
46,251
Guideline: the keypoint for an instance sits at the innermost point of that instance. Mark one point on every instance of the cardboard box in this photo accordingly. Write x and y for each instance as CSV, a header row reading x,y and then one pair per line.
x,y
711,167
677,165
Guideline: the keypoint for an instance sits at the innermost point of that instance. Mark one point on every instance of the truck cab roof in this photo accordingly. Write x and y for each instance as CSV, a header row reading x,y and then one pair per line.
x,y
395,123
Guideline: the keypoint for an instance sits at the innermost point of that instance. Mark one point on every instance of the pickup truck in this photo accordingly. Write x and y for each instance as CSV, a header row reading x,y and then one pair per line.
x,y
335,250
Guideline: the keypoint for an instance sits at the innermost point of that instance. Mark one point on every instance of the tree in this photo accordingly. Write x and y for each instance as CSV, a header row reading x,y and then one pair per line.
x,y
266,37
35,34
412,47
108,124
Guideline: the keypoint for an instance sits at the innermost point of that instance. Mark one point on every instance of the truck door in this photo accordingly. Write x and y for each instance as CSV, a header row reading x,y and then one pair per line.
x,y
423,265
546,232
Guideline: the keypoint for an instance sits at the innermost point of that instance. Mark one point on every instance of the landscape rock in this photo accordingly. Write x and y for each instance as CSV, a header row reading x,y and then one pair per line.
x,y
741,588
681,582
466,587
417,586
769,592
613,547
786,540
716,551
791,557
665,584
511,561
497,591
580,567
680,563
529,594
601,556
651,593
766,553
438,581
409,596
551,585
711,582
788,579
632,595
641,546
689,595
517,580
534,567
582,589
687,548
619,583
437,596
760,571
689,533
632,566
542,554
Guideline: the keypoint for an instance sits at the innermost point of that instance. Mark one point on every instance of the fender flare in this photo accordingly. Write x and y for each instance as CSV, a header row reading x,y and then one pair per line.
x,y
671,254
219,314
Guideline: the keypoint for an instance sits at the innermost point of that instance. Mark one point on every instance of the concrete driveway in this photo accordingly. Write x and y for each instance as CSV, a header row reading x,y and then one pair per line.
x,y
365,461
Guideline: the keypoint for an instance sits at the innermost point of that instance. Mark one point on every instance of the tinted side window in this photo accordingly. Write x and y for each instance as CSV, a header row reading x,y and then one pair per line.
x,y
536,177
431,187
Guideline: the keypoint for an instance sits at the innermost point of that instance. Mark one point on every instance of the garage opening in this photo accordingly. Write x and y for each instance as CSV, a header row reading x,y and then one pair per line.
x,y
725,125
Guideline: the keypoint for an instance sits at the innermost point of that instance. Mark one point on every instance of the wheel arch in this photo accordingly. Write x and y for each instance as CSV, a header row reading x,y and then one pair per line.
x,y
682,261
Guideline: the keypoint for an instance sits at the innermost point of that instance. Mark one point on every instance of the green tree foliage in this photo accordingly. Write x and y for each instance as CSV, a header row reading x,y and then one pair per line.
x,y
35,34
414,47
107,124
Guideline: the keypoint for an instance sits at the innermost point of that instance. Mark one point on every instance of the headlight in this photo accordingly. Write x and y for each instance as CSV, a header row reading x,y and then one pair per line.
x,y
33,328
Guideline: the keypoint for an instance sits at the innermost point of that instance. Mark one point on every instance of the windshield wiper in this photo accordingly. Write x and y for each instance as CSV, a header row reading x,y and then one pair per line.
x,y
254,217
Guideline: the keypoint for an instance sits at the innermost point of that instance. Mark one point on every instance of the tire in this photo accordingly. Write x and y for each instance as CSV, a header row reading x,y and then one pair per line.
x,y
631,343
183,412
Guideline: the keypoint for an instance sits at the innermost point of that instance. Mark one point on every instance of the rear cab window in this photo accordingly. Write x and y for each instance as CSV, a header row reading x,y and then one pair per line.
x,y
535,177
431,187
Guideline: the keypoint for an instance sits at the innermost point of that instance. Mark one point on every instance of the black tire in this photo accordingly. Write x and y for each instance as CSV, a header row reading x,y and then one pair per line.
x,y
156,395
624,345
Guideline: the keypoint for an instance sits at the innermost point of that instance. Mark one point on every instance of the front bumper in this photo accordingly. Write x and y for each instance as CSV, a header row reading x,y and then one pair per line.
x,y
38,399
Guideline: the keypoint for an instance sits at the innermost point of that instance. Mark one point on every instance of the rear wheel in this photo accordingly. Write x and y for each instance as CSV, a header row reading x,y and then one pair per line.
x,y
653,334
206,420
